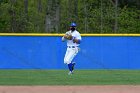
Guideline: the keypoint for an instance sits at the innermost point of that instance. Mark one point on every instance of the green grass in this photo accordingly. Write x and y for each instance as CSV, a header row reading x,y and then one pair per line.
x,y
60,77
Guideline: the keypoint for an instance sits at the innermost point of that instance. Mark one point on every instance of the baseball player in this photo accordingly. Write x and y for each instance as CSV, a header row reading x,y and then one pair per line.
x,y
73,39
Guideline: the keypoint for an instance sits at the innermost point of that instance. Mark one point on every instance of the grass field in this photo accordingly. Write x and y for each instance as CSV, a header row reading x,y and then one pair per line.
x,y
60,77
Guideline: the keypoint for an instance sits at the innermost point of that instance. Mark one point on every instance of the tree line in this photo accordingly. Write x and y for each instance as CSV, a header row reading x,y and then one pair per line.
x,y
55,16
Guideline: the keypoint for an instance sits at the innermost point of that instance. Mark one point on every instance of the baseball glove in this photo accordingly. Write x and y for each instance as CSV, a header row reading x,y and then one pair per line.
x,y
68,36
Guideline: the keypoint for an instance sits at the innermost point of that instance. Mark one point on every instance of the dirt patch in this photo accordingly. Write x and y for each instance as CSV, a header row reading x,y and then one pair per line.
x,y
71,89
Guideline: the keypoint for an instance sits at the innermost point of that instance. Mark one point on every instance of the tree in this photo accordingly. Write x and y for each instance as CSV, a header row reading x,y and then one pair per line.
x,y
53,16
86,17
116,16
39,6
12,13
26,7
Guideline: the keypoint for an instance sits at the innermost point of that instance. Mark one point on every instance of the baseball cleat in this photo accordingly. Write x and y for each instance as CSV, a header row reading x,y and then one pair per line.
x,y
70,73
73,64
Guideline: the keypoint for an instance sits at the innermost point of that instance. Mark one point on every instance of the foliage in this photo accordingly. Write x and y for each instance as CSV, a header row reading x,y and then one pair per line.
x,y
92,16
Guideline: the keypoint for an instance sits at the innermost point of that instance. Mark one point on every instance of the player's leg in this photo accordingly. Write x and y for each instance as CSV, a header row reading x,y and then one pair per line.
x,y
67,60
66,54
72,53
73,63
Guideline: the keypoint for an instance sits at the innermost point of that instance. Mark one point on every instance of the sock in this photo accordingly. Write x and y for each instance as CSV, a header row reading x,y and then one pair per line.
x,y
70,66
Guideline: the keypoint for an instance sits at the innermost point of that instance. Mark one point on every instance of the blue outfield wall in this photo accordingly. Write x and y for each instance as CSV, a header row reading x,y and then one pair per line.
x,y
47,52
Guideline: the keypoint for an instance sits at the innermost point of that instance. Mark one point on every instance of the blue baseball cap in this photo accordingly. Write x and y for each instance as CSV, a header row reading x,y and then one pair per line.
x,y
73,24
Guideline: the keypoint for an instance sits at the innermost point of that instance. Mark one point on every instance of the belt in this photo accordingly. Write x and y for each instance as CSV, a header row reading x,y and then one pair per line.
x,y
72,46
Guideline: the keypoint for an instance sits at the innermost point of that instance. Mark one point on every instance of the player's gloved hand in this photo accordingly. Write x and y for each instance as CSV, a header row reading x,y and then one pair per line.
x,y
69,37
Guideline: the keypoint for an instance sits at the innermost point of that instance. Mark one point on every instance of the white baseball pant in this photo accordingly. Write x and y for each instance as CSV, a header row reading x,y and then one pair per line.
x,y
70,54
